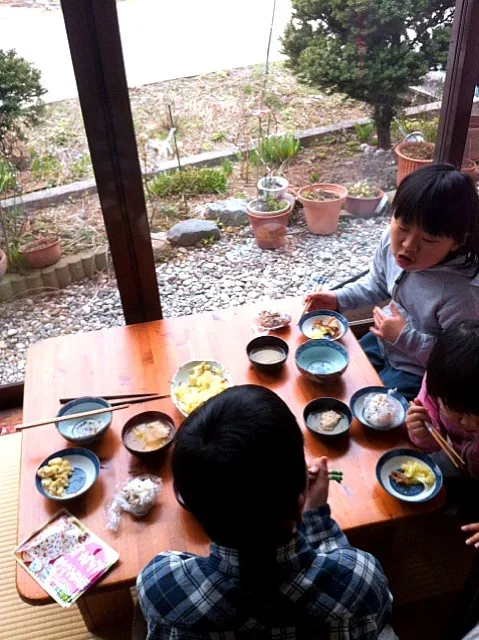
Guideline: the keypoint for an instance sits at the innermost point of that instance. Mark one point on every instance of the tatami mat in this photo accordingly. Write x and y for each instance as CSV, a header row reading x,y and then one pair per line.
x,y
20,620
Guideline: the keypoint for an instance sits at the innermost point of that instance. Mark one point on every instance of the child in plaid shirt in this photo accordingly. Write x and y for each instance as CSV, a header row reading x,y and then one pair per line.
x,y
279,566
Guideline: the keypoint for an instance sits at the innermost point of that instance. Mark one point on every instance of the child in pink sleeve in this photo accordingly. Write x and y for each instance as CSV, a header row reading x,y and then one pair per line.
x,y
449,398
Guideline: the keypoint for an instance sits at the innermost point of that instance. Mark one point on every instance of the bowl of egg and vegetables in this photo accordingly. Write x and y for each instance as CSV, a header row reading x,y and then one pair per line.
x,y
323,325
67,474
197,381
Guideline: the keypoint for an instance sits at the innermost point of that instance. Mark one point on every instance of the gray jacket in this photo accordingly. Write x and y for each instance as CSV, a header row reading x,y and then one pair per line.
x,y
430,300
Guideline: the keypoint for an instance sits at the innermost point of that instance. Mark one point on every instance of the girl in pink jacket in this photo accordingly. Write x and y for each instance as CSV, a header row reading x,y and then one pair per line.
x,y
449,396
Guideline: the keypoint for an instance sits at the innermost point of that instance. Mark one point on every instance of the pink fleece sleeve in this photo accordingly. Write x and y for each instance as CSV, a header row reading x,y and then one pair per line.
x,y
427,444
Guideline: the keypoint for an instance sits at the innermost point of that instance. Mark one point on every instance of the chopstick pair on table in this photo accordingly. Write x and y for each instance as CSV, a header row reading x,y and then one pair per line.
x,y
115,406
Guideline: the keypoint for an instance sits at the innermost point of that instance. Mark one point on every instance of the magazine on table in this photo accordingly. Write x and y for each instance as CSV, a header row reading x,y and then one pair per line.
x,y
65,557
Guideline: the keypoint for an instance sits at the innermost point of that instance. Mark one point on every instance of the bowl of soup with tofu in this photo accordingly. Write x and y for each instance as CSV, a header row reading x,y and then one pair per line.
x,y
148,433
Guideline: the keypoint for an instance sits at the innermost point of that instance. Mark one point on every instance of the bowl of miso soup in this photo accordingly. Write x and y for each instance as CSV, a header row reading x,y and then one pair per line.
x,y
267,353
148,433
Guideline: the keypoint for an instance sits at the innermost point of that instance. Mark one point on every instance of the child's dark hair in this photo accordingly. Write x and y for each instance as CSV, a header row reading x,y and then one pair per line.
x,y
453,368
444,202
239,467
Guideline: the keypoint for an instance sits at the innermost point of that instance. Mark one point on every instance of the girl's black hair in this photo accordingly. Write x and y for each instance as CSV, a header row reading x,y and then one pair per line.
x,y
444,202
453,368
238,465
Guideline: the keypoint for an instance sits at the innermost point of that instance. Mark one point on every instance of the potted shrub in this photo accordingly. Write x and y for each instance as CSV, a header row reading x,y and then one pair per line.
x,y
269,218
42,252
412,156
363,198
275,186
322,204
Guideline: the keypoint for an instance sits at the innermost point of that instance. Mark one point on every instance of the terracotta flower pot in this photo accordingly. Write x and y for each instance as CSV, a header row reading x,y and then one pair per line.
x,y
469,167
322,217
42,252
3,264
363,206
270,228
407,165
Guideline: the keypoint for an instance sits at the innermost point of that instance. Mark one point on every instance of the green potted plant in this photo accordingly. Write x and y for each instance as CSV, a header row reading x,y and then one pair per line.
x,y
363,198
13,220
269,218
322,204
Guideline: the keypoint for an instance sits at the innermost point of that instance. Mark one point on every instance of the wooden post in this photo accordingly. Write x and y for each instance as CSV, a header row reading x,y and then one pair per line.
x,y
95,45
461,78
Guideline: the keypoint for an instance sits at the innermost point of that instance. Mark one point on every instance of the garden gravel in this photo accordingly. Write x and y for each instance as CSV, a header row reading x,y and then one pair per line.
x,y
233,271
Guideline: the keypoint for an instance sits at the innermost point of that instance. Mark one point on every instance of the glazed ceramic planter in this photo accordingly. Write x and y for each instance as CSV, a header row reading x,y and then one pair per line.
x,y
272,186
363,206
322,217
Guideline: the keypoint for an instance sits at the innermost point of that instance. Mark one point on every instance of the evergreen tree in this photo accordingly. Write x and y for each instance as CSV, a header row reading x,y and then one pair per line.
x,y
371,50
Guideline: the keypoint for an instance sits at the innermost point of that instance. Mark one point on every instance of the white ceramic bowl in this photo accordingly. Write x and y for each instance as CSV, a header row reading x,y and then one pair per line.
x,y
183,372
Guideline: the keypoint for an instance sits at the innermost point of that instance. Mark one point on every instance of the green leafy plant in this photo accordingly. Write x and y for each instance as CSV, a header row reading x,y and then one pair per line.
x,y
45,166
276,150
12,219
270,204
81,167
21,105
362,189
371,51
314,177
227,167
192,181
218,136
364,132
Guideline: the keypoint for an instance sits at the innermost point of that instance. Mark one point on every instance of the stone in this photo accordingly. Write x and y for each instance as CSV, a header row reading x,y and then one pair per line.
x,y
189,232
380,152
3,345
101,259
12,332
162,249
230,212
49,277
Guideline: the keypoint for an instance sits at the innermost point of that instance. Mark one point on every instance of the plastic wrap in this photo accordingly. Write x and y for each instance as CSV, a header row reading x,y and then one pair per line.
x,y
135,495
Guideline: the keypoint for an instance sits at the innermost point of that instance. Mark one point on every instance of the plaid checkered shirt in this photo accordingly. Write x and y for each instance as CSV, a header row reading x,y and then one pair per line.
x,y
326,590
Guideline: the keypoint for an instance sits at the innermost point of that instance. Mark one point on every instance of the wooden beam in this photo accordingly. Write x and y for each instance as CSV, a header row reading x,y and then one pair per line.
x,y
11,395
461,78
95,45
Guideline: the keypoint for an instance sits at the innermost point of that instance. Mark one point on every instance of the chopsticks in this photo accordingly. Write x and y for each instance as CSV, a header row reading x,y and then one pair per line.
x,y
73,416
337,476
445,446
317,289
118,397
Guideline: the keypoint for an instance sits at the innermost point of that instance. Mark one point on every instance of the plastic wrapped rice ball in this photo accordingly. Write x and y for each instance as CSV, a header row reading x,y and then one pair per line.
x,y
382,410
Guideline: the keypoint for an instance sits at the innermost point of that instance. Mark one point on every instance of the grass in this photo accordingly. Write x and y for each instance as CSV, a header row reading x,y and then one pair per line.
x,y
194,181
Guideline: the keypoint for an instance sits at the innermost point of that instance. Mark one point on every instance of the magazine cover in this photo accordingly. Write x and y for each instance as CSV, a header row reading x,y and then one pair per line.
x,y
65,557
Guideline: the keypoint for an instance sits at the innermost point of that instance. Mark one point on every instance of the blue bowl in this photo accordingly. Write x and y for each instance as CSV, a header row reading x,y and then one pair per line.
x,y
307,329
392,461
84,430
321,360
356,405
313,409
86,468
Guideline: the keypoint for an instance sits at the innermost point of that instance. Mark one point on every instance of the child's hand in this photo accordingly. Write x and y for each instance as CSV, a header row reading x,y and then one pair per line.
x,y
388,327
322,300
474,527
318,484
416,416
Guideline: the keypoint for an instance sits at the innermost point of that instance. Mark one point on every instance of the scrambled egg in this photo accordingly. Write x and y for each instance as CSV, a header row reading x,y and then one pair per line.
x,y
417,472
204,382
55,476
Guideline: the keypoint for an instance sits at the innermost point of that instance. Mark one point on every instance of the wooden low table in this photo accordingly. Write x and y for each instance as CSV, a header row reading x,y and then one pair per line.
x,y
143,358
